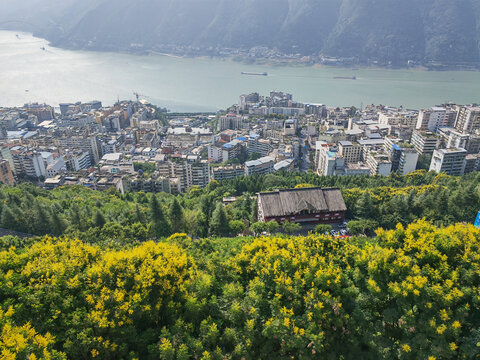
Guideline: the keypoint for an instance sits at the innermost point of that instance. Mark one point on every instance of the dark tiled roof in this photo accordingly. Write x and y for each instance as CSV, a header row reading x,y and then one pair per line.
x,y
293,201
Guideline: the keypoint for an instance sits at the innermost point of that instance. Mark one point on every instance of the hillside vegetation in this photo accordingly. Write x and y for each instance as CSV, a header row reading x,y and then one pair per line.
x,y
408,293
106,217
388,30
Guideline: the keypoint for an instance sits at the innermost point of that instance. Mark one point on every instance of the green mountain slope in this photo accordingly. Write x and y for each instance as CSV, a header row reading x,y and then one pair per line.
x,y
446,31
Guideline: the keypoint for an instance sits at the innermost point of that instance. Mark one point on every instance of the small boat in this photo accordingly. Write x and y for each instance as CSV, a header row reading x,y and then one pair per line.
x,y
18,37
43,48
345,77
254,73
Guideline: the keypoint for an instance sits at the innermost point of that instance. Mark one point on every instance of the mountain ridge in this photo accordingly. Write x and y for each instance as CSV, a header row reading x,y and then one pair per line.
x,y
388,31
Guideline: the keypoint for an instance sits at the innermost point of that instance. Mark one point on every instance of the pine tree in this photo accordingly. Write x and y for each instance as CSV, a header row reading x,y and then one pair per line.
x,y
58,224
160,226
364,206
8,219
219,223
139,217
42,223
176,217
99,219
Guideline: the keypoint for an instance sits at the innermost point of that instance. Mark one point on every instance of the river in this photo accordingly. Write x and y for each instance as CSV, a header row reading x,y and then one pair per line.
x,y
33,71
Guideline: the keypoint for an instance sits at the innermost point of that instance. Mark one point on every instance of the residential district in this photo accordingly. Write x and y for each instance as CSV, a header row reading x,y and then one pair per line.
x,y
134,146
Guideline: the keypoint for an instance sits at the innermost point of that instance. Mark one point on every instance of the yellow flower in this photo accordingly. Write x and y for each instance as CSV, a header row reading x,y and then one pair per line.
x,y
406,348
456,325
441,329
432,358
94,352
453,346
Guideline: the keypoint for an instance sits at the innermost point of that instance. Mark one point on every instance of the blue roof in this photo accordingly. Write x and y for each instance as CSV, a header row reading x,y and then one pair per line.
x,y
242,139
396,147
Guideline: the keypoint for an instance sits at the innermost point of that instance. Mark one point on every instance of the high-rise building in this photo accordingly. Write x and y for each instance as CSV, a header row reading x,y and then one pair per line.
x,y
351,153
85,143
435,117
330,163
468,119
472,163
449,161
424,142
379,163
230,121
227,172
404,157
28,163
257,145
262,166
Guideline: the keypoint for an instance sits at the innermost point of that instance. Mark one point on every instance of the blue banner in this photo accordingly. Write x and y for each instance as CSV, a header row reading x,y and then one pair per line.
x,y
477,221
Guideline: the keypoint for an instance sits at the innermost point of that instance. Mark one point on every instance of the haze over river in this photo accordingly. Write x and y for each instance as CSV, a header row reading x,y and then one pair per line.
x,y
32,71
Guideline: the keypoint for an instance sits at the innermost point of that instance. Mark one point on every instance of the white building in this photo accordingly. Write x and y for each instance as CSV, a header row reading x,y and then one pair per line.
x,y
449,161
262,166
230,121
379,163
434,118
77,160
29,163
256,145
351,153
215,153
468,119
56,167
330,163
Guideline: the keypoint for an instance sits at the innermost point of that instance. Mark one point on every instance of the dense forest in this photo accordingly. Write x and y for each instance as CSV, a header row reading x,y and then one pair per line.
x,y
408,293
97,217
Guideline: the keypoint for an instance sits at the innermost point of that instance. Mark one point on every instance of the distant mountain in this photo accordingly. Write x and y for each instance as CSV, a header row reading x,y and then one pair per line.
x,y
444,31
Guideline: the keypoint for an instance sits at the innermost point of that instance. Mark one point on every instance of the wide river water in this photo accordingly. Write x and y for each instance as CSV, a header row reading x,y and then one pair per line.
x,y
32,71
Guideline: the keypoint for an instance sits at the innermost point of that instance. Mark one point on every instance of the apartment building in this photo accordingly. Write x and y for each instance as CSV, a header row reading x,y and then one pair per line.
x,y
468,119
262,166
379,163
351,153
449,161
85,143
28,163
434,118
227,172
424,142
257,145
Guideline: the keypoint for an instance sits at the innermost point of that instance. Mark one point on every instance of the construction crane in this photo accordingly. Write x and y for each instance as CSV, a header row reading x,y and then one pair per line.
x,y
137,95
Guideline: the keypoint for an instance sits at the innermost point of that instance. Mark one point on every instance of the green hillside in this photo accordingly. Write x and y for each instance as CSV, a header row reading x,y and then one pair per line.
x,y
385,30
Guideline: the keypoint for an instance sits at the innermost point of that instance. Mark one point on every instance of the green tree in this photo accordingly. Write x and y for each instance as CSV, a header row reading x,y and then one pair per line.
x,y
139,216
290,227
272,226
236,227
219,222
8,219
364,205
41,220
322,229
258,227
58,224
175,214
99,219
361,227
160,226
